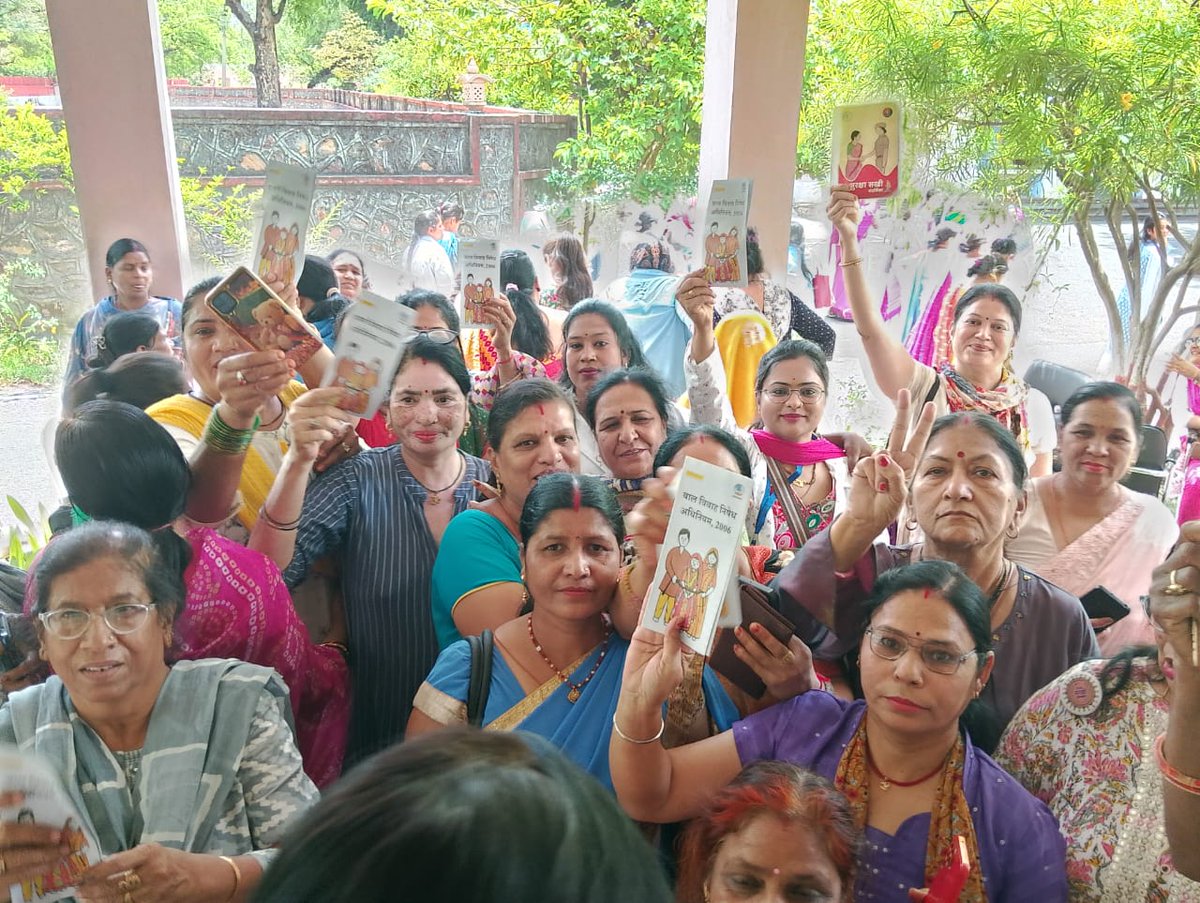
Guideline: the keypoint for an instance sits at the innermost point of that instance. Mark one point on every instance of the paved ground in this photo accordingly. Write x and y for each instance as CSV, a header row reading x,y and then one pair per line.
x,y
1065,324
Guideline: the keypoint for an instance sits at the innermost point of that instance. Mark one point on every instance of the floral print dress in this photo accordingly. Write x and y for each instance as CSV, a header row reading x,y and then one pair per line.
x,y
1097,773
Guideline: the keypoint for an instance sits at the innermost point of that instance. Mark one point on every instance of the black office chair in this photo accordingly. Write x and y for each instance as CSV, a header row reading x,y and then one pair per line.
x,y
1149,473
1056,382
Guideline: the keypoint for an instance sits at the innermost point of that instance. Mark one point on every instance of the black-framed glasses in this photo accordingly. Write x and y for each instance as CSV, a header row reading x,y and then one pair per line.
x,y
937,657
72,623
439,334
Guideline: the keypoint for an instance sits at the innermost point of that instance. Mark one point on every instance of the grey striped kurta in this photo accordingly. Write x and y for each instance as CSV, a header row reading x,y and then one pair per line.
x,y
369,513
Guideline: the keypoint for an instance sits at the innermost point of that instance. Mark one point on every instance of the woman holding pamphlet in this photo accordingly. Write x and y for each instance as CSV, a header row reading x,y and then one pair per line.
x,y
979,375
382,513
798,476
555,670
186,776
967,496
935,810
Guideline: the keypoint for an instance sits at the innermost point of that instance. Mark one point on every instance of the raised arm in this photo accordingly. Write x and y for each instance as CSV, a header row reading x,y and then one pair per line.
x,y
891,363
652,783
314,419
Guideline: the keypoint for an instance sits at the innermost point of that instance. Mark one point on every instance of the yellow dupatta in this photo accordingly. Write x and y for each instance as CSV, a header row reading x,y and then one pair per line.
x,y
743,337
189,413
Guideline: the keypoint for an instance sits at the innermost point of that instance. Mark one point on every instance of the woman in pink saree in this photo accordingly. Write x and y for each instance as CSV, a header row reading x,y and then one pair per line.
x,y
1187,365
118,464
1082,528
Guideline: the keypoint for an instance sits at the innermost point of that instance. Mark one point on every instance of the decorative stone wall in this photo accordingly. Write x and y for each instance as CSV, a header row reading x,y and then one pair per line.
x,y
380,161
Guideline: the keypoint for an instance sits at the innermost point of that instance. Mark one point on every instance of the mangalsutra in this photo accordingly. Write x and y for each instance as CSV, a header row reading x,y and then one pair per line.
x,y
575,689
435,495
885,783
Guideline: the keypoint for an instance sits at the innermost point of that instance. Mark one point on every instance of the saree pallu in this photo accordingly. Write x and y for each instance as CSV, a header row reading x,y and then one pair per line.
x,y
581,729
1189,499
239,607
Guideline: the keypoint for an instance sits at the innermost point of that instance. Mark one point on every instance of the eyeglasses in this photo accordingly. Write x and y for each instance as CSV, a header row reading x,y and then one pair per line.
x,y
72,623
1192,343
439,334
807,394
937,657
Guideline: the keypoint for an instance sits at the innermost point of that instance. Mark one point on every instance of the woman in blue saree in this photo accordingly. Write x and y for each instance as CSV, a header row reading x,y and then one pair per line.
x,y
556,669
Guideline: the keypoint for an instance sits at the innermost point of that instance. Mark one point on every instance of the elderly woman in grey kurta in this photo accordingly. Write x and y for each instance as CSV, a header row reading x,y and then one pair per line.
x,y
185,776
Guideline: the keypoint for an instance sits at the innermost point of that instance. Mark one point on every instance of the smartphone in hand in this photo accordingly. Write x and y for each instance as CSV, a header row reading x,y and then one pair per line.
x,y
249,307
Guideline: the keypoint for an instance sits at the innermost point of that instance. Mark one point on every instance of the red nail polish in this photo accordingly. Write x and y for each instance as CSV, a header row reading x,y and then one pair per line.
x,y
883,460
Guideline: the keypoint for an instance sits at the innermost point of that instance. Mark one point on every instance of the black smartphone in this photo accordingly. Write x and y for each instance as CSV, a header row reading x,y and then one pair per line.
x,y
11,652
1101,603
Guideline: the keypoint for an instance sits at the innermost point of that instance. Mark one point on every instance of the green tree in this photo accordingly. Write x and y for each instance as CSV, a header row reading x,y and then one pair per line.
x,y
630,71
32,150
348,56
1102,96
25,38
261,20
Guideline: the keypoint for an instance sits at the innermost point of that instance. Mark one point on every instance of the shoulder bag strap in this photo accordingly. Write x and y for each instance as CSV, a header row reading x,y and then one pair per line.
x,y
482,650
783,492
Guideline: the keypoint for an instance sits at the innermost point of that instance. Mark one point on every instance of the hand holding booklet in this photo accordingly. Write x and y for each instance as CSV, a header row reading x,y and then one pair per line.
x,y
46,803
369,347
703,539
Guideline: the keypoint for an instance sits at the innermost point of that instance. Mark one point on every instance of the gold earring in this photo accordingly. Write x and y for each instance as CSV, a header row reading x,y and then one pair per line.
x,y
1012,531
912,525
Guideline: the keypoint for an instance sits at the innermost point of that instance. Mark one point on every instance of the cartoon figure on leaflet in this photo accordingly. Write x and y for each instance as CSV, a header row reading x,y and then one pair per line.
x,y
705,581
676,567
712,250
472,298
288,246
733,272
272,237
279,329
358,378
67,871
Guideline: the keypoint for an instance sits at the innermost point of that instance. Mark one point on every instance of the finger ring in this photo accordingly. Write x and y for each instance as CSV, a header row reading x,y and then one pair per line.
x,y
1175,588
789,656
130,882
241,378
347,447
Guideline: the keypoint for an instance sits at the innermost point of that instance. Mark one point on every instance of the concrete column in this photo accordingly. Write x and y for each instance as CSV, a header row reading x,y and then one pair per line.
x,y
113,86
753,73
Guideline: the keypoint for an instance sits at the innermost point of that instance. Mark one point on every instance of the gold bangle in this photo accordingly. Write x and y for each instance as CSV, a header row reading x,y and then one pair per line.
x,y
628,739
853,261
340,647
289,527
237,877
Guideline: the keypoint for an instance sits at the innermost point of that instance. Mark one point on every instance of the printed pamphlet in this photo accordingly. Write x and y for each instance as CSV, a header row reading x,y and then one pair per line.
x,y
479,275
46,803
369,347
694,566
286,207
723,232
866,148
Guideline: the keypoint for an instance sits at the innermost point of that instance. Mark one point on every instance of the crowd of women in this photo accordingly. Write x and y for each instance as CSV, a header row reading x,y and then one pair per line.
x,y
274,649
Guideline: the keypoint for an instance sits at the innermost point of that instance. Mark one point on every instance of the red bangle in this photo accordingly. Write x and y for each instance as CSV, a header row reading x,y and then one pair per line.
x,y
507,360
1172,775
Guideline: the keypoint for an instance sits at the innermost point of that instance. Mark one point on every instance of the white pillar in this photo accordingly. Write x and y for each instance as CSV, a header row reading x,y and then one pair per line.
x,y
753,74
113,86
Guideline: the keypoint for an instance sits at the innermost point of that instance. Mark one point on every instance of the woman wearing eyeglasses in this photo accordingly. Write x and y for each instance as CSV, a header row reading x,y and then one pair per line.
x,y
903,755
798,476
186,775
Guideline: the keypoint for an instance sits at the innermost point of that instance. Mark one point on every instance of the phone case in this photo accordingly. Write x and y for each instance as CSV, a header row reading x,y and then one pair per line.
x,y
947,885
756,607
1102,603
258,315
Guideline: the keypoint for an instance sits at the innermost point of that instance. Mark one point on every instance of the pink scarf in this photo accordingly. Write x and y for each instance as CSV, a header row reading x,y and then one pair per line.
x,y
797,454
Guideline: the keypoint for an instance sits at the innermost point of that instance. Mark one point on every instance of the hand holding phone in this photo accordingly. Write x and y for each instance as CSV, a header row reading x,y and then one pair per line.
x,y
253,311
947,885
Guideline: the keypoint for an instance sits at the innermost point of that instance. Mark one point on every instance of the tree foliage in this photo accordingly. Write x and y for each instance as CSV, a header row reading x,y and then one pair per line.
x,y
25,38
630,72
1100,96
348,56
32,150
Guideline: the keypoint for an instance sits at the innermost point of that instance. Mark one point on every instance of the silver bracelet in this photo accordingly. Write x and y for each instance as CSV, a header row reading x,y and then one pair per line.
x,y
628,739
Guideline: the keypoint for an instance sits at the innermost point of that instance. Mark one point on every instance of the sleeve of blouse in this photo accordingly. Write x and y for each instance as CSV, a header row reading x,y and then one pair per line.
x,y
808,324
275,788
484,386
324,519
443,695
1027,752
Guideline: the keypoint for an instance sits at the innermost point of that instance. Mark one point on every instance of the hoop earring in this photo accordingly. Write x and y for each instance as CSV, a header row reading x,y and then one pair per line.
x,y
911,525
1013,531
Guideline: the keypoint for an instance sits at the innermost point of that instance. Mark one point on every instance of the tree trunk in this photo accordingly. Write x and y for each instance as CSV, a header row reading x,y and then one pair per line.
x,y
266,58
